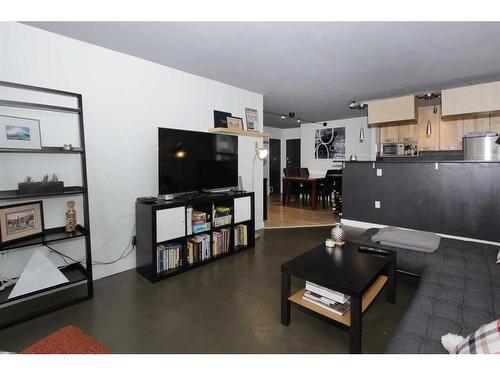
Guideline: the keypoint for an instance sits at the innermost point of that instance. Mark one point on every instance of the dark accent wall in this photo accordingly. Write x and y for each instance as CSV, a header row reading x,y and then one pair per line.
x,y
459,198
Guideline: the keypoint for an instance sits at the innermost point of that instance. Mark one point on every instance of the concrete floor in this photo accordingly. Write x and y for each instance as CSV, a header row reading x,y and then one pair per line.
x,y
228,306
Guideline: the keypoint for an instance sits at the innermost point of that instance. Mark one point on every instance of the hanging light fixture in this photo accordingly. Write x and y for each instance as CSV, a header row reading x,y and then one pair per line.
x,y
428,129
361,134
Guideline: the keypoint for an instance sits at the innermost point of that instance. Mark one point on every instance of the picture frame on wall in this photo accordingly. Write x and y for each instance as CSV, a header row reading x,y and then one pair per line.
x,y
234,123
20,221
220,119
252,118
20,133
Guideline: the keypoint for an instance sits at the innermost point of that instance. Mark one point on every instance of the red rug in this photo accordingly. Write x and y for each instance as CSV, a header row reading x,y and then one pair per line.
x,y
67,340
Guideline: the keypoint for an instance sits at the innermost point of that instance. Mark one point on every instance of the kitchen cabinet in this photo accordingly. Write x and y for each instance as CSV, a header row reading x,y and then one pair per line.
x,y
468,100
451,131
479,123
495,123
383,111
408,133
428,142
389,133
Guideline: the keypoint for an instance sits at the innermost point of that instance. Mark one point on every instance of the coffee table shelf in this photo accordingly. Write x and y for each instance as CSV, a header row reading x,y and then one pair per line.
x,y
345,319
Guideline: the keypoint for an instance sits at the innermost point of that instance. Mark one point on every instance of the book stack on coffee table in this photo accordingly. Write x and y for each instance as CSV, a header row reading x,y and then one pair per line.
x,y
328,299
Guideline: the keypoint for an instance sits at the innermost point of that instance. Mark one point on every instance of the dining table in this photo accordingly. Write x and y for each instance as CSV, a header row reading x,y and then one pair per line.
x,y
312,181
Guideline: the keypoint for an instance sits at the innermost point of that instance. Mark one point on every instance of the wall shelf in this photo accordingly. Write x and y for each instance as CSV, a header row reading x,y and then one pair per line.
x,y
47,236
246,133
14,194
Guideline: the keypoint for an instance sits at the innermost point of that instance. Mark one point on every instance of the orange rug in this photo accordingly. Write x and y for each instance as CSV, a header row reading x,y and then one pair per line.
x,y
67,340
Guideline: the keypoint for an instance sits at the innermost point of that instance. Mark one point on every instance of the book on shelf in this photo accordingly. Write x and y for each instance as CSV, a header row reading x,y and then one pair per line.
x,y
240,235
189,219
222,220
198,249
199,217
335,307
327,293
200,227
169,257
222,216
221,241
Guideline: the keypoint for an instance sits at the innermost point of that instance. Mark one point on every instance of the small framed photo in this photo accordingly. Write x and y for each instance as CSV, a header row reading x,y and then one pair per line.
x,y
20,221
252,119
220,119
234,123
18,132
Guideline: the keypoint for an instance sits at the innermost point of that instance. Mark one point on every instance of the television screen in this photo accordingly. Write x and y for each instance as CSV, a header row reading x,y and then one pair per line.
x,y
194,161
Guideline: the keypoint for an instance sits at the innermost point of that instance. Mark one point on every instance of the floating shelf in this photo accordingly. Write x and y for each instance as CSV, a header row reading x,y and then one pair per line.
x,y
47,236
38,106
246,133
75,273
43,150
14,194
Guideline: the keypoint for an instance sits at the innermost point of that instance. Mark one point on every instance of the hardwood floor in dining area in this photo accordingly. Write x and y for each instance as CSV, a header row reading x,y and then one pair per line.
x,y
295,214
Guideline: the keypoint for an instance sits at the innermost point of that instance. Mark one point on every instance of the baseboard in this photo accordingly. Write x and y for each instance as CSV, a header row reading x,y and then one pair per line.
x,y
366,225
302,226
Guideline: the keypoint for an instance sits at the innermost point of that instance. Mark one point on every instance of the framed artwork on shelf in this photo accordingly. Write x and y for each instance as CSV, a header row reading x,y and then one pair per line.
x,y
220,119
21,221
252,118
18,132
234,123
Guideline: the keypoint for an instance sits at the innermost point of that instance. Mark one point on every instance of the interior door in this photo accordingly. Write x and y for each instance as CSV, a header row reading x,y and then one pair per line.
x,y
275,165
293,153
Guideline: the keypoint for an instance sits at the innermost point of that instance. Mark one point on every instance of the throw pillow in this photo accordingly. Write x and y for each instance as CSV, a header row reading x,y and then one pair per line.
x,y
486,340
450,342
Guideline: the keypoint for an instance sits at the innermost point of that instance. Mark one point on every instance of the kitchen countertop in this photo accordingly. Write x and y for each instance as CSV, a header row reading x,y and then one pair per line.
x,y
416,160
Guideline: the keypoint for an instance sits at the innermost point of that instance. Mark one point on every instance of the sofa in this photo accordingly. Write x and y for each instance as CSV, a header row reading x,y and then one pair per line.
x,y
459,291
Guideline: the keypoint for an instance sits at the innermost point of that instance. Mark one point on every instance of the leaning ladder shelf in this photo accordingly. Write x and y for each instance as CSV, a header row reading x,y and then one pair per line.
x,y
77,274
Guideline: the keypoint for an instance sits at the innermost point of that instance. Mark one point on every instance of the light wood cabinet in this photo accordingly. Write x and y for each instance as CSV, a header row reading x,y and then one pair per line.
x,y
451,132
392,110
428,142
475,99
476,123
389,133
495,123
408,133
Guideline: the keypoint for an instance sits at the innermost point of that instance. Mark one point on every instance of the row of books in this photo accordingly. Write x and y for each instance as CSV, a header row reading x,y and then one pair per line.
x,y
169,257
198,248
200,221
221,241
240,235
328,299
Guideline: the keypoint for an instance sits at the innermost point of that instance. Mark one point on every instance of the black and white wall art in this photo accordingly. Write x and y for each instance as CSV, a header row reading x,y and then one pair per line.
x,y
329,143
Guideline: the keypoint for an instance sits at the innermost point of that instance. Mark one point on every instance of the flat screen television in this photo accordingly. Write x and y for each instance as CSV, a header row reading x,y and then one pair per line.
x,y
192,161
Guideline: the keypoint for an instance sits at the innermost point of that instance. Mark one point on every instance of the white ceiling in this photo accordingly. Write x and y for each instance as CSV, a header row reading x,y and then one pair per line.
x,y
312,69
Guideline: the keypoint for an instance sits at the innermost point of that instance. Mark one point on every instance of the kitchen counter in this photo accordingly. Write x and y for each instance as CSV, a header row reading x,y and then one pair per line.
x,y
417,160
455,197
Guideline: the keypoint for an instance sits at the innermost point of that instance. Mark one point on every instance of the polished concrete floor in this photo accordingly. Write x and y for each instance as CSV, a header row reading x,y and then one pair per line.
x,y
228,306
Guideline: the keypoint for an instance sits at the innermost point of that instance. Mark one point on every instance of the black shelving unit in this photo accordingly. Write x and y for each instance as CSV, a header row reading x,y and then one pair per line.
x,y
146,232
40,302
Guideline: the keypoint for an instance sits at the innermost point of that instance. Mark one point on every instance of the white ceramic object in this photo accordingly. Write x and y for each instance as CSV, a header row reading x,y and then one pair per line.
x,y
338,234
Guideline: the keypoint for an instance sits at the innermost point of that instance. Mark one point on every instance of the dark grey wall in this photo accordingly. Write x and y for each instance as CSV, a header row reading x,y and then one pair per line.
x,y
460,198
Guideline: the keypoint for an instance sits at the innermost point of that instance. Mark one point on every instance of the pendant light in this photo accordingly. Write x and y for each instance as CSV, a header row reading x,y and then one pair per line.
x,y
428,129
361,134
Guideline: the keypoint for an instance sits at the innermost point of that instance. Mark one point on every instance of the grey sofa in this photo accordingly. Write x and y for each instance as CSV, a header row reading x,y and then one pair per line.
x,y
459,290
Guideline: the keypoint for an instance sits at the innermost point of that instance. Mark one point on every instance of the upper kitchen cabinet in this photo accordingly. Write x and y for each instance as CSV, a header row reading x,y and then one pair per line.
x,y
469,100
403,108
495,123
476,123
389,133
428,142
451,132
408,133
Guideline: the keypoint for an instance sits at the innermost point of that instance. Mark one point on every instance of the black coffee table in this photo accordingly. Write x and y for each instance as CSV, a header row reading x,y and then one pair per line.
x,y
352,269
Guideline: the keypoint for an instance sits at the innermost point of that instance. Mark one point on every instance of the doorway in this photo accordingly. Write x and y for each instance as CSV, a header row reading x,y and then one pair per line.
x,y
293,153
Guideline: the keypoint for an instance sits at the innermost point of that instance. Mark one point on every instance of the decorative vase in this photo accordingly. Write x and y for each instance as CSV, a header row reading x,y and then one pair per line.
x,y
70,217
338,234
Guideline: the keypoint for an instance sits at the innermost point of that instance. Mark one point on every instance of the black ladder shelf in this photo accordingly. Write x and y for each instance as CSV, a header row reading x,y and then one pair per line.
x,y
27,306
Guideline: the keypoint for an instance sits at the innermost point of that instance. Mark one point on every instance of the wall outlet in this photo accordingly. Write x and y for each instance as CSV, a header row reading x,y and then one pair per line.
x,y
379,171
377,204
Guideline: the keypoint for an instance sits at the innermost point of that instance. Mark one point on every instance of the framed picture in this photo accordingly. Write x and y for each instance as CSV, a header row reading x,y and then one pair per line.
x,y
329,143
18,132
20,221
234,122
252,119
220,119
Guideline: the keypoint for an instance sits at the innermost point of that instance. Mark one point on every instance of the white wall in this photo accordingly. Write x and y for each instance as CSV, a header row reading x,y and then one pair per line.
x,y
364,150
125,100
